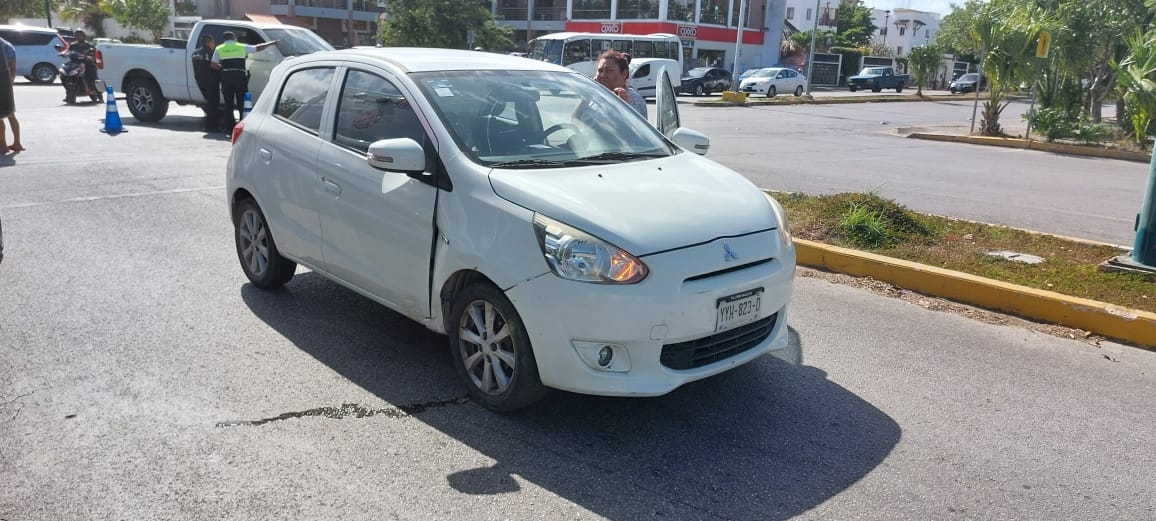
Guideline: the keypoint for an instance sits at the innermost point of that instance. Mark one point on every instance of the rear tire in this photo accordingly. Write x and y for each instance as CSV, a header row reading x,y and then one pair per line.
x,y
899,88
491,350
699,91
256,249
145,100
854,88
798,91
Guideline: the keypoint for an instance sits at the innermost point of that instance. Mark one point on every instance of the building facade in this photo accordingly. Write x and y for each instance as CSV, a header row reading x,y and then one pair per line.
x,y
805,14
901,30
709,29
343,23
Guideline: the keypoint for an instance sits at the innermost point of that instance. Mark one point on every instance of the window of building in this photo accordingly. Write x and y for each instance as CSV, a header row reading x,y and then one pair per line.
x,y
790,13
902,31
899,50
808,13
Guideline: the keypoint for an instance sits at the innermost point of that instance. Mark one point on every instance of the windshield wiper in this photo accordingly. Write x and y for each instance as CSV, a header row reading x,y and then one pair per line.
x,y
531,163
620,156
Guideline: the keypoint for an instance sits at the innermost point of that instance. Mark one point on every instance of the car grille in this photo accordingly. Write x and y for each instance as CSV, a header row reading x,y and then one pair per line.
x,y
719,346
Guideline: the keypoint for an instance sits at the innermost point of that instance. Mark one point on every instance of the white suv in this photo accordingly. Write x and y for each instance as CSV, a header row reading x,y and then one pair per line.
x,y
557,237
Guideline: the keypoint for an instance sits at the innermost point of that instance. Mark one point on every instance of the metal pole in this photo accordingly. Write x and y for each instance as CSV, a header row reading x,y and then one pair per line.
x,y
48,13
811,56
1144,251
978,82
738,48
1032,107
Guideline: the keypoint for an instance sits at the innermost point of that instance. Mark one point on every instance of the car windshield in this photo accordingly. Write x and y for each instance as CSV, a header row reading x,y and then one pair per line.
x,y
872,71
538,119
766,73
295,42
698,72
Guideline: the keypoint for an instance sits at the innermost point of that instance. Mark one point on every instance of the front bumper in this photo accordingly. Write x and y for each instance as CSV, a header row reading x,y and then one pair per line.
x,y
662,330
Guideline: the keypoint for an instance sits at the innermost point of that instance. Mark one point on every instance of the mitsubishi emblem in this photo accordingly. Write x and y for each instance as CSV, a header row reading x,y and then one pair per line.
x,y
729,254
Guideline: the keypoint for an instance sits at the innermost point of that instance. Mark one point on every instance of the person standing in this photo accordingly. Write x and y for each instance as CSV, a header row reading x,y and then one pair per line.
x,y
229,58
209,81
7,100
613,70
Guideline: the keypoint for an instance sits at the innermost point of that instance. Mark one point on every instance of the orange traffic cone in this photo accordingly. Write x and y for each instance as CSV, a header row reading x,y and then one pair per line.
x,y
112,124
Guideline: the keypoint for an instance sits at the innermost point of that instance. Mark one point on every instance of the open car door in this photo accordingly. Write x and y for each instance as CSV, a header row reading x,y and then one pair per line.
x,y
667,114
668,121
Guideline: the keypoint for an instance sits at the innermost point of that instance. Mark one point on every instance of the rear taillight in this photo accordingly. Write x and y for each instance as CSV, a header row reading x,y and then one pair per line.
x,y
237,129
99,60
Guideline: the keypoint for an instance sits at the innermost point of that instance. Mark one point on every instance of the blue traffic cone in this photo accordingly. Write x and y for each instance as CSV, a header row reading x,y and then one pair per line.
x,y
248,105
112,124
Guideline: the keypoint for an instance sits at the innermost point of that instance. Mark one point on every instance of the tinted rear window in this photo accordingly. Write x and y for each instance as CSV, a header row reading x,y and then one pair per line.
x,y
19,38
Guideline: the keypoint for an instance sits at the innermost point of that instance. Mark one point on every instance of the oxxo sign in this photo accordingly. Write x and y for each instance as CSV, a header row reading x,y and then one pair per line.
x,y
611,28
687,32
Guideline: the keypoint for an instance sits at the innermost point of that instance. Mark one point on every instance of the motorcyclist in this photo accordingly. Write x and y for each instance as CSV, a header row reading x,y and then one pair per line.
x,y
89,50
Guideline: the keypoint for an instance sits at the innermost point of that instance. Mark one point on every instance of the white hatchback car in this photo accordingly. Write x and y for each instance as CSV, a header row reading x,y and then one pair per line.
x,y
558,238
774,80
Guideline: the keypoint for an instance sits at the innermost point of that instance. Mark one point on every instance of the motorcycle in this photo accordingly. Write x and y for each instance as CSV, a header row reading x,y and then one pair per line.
x,y
72,76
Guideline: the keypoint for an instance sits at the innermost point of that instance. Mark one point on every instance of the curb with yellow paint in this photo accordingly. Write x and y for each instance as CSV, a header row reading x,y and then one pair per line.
x,y
1133,326
1059,148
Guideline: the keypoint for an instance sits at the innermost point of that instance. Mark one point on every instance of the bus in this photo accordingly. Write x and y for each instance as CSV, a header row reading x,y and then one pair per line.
x,y
579,51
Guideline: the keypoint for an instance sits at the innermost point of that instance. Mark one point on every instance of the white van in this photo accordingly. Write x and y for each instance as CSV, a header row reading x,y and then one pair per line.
x,y
644,74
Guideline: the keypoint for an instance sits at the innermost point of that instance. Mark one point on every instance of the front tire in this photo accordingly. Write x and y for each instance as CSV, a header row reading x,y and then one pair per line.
x,y
43,73
145,101
854,88
772,91
491,350
256,249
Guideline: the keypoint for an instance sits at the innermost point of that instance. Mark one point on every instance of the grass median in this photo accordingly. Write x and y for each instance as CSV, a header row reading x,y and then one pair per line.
x,y
870,223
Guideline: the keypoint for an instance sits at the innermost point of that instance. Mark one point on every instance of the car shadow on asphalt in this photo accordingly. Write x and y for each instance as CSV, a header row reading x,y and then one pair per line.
x,y
768,440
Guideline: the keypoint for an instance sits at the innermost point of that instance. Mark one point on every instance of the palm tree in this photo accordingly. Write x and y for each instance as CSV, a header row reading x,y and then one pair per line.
x,y
87,13
923,62
1136,80
1006,33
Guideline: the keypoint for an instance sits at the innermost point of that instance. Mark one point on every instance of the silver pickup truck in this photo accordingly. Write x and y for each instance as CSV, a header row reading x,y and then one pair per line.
x,y
153,75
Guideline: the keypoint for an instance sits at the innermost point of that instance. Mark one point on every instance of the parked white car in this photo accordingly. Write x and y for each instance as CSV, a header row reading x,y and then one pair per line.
x,y
773,80
558,238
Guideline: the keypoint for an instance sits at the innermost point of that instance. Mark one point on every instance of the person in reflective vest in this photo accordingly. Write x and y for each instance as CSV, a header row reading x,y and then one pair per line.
x,y
229,58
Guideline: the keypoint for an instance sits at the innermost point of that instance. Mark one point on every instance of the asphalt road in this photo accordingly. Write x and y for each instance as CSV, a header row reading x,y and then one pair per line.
x,y
141,377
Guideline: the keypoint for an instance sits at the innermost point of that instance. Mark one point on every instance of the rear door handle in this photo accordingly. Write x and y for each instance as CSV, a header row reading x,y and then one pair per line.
x,y
331,186
265,154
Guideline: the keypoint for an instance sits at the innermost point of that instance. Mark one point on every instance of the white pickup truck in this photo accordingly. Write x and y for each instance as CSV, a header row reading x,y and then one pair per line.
x,y
153,75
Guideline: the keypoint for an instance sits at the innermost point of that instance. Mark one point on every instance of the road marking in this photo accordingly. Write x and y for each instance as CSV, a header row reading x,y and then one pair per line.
x,y
114,196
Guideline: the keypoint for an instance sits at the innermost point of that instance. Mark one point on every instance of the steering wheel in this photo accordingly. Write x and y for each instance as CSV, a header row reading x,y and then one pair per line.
x,y
559,126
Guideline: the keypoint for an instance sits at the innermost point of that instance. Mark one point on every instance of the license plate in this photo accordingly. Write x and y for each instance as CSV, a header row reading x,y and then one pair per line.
x,y
738,309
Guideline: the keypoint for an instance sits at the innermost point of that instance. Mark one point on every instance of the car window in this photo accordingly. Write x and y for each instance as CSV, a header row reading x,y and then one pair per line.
x,y
371,108
303,98
296,42
504,116
642,71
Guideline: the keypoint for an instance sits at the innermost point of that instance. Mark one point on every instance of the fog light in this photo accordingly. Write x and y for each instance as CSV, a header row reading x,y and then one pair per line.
x,y
605,355
601,356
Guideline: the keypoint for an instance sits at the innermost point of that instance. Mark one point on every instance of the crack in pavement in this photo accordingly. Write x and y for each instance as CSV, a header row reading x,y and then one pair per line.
x,y
352,410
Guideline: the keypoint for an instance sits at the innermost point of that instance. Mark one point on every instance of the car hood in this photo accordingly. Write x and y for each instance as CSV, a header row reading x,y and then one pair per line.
x,y
643,207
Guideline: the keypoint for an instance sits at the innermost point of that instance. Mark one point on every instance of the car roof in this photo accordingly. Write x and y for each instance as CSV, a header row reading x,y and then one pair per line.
x,y
421,59
29,28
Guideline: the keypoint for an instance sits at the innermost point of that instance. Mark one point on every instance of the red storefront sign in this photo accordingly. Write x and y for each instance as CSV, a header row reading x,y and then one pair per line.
x,y
702,33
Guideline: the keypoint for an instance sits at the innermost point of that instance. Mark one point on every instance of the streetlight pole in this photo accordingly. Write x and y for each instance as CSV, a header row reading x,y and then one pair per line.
x,y
811,58
738,48
886,18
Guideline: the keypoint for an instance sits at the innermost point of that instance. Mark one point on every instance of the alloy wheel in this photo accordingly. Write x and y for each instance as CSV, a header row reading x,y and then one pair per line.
x,y
254,238
486,347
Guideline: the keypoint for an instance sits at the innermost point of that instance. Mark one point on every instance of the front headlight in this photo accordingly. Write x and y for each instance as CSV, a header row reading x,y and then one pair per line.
x,y
781,216
576,255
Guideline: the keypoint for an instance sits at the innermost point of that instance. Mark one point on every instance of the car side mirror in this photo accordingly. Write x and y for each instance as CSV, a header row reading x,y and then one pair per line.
x,y
58,47
396,155
692,140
